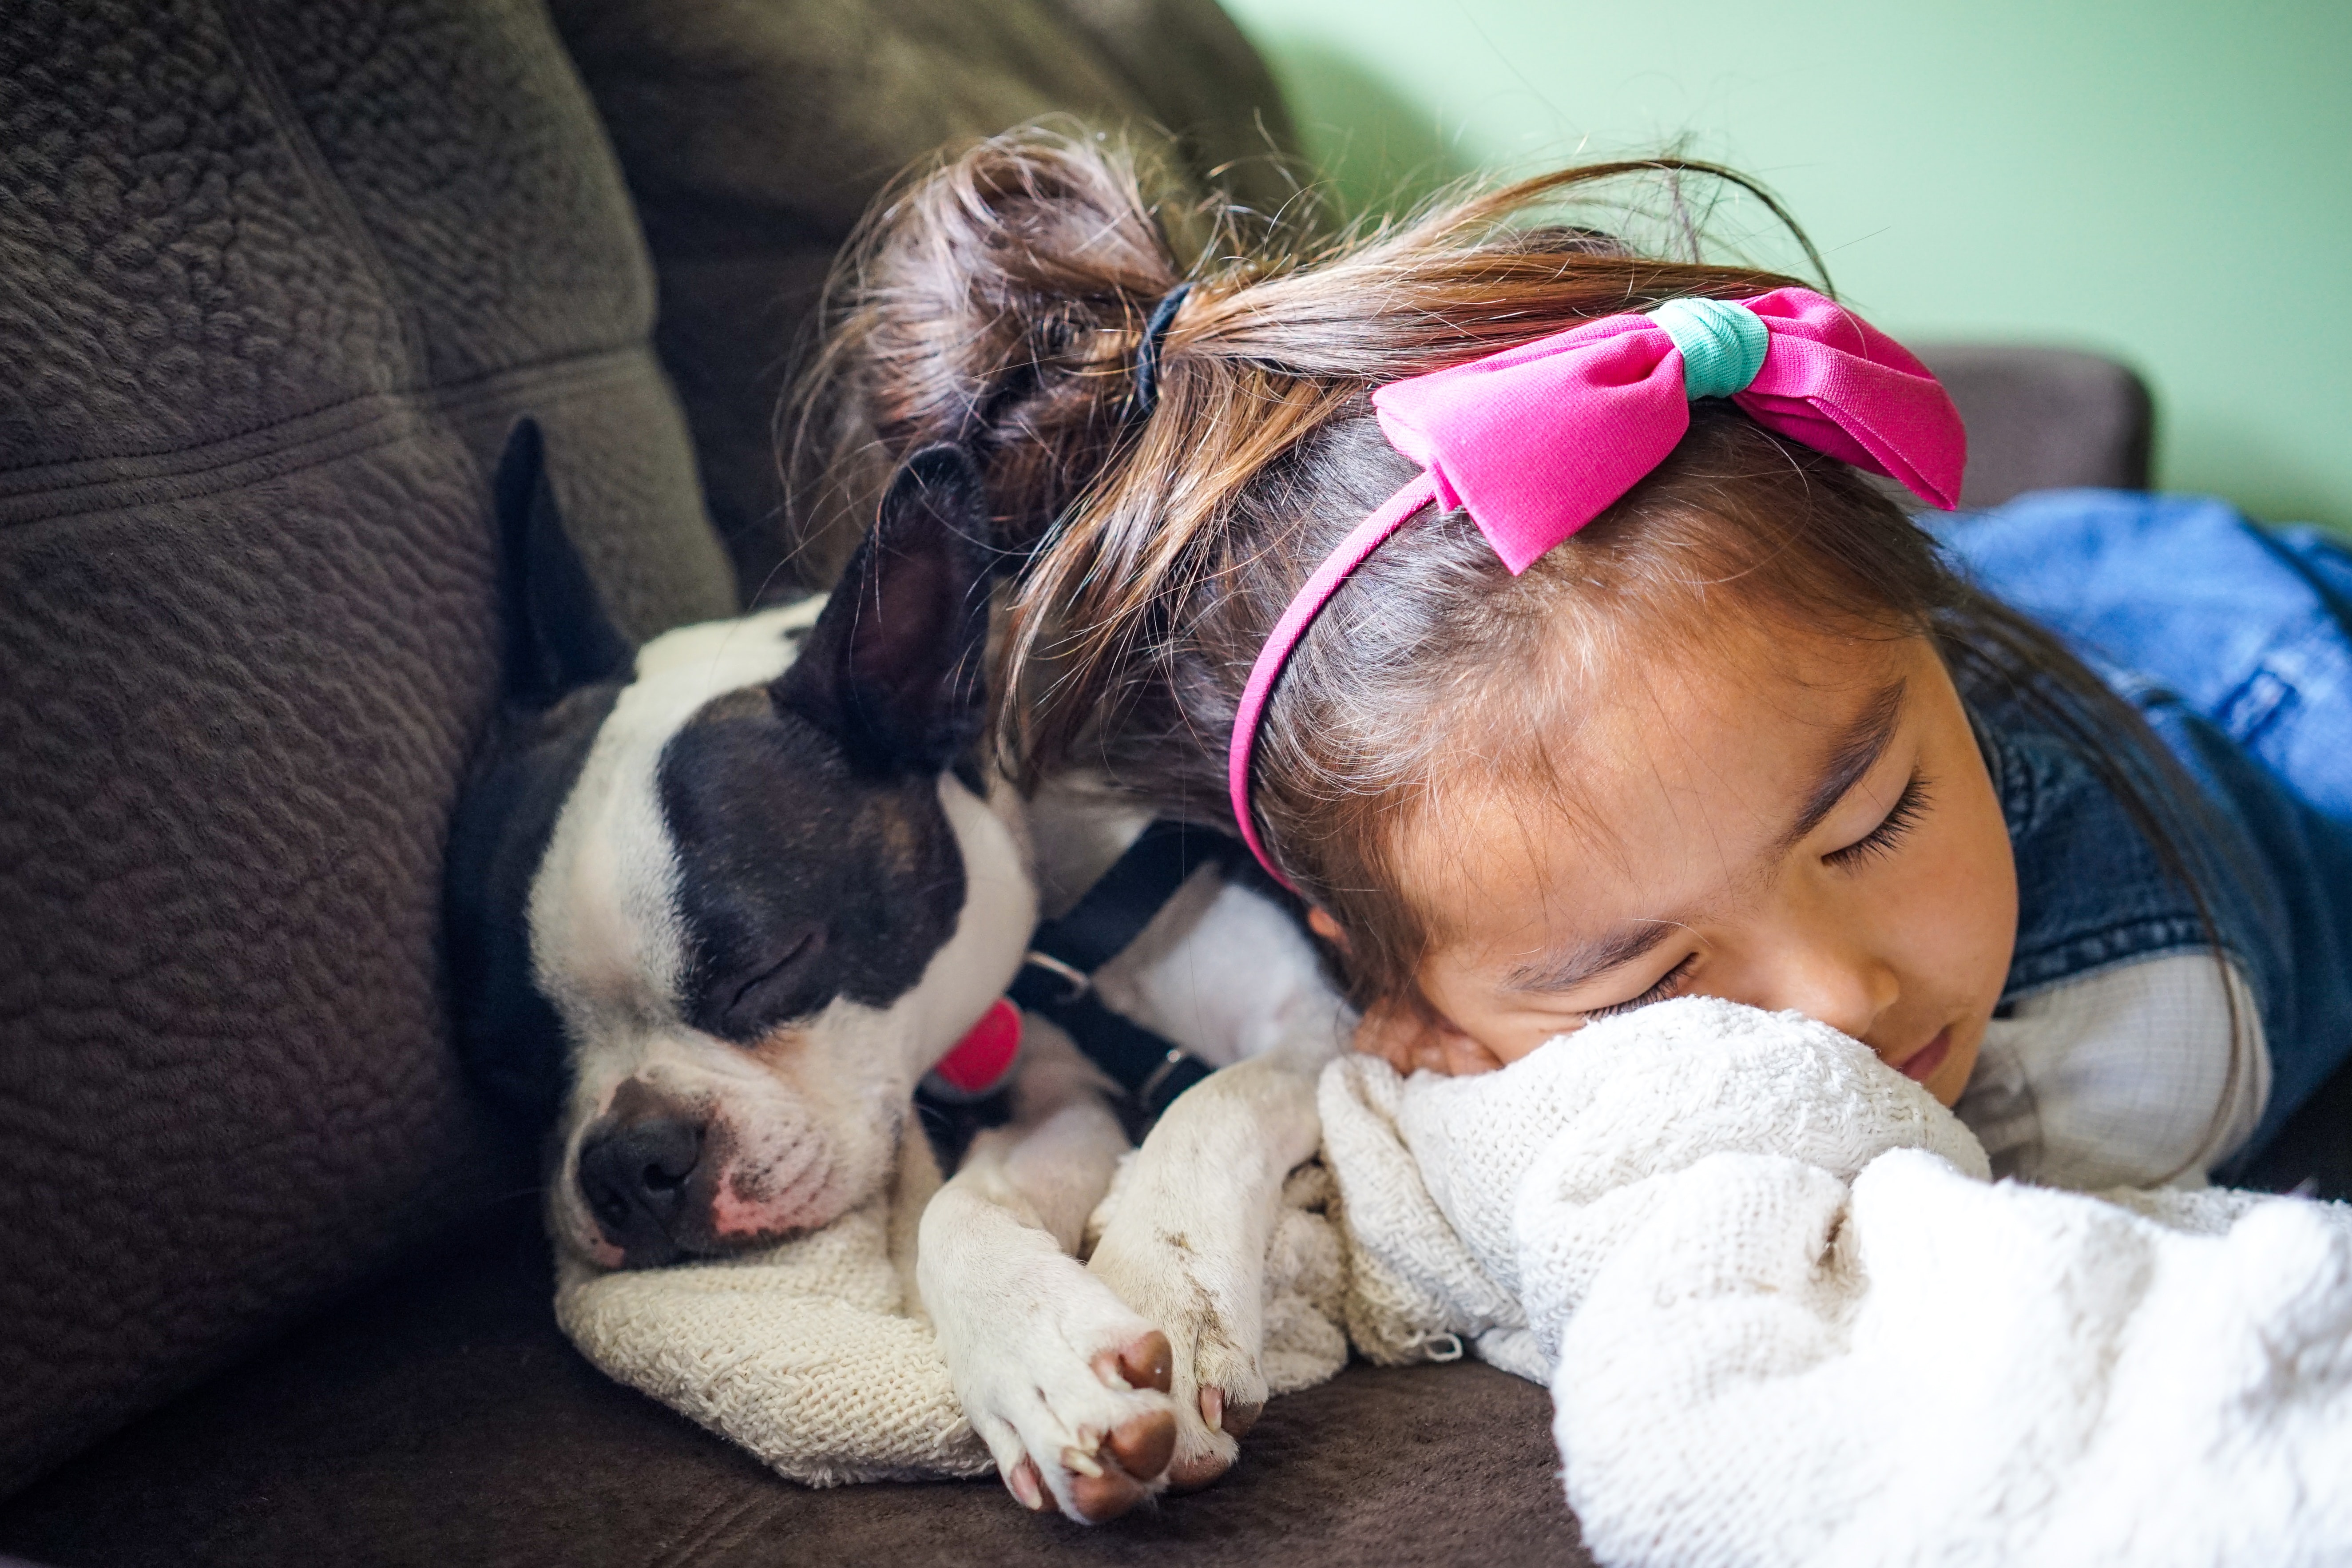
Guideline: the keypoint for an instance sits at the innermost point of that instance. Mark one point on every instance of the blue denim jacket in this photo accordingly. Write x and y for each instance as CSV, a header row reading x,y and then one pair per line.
x,y
2236,644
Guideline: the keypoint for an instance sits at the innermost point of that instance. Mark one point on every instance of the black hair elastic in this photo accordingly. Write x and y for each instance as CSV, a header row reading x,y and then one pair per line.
x,y
1146,355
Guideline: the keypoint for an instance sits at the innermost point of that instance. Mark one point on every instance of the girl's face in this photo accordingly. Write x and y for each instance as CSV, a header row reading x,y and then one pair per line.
x,y
1796,821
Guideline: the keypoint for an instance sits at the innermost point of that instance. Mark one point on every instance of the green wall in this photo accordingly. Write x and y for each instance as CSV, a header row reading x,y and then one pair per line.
x,y
2169,182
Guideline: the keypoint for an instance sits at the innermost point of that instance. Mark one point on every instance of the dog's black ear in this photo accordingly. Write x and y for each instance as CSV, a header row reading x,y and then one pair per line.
x,y
557,636
893,666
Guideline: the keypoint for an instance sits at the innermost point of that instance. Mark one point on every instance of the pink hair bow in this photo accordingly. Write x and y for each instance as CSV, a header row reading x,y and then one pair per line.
x,y
1538,440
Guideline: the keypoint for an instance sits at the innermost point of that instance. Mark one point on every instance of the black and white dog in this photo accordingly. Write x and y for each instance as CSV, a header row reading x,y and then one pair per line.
x,y
717,903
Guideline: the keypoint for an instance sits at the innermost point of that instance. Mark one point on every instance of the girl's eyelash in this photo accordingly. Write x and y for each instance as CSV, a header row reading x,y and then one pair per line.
x,y
1668,984
1909,808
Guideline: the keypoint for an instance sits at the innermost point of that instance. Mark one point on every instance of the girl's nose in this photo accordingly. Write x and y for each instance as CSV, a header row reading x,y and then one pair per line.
x,y
1848,993
1828,972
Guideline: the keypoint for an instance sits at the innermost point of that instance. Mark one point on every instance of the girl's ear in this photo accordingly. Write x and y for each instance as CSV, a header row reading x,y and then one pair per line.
x,y
1319,922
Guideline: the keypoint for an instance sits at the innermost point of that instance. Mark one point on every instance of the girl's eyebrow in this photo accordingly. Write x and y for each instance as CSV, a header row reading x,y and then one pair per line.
x,y
1857,750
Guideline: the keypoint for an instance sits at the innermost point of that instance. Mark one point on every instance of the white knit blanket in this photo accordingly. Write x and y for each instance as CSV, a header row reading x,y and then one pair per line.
x,y
815,1356
1786,1320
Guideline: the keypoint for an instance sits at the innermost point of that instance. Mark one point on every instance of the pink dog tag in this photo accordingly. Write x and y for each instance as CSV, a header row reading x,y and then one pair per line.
x,y
983,1058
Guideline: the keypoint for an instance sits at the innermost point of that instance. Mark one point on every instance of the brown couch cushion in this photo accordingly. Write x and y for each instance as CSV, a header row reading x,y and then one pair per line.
x,y
444,1420
755,134
275,276
2043,418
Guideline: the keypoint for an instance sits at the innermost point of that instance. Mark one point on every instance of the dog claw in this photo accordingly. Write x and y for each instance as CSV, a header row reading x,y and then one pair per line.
x,y
1202,1470
1028,1488
1115,1477
1235,1420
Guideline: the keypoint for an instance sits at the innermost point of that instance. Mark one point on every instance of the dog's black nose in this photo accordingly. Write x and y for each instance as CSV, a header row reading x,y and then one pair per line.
x,y
634,1176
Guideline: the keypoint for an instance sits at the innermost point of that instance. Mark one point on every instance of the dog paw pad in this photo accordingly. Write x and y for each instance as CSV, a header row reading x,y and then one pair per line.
x,y
1193,1473
1144,1444
1103,1495
1145,1361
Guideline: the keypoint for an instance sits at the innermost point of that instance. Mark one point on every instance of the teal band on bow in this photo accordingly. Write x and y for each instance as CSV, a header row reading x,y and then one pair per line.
x,y
1723,344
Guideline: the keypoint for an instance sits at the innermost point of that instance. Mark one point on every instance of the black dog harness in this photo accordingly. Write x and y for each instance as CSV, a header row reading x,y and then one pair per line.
x,y
1057,981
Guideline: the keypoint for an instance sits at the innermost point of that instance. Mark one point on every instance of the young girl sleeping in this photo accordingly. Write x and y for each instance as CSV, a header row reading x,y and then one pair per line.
x,y
1530,607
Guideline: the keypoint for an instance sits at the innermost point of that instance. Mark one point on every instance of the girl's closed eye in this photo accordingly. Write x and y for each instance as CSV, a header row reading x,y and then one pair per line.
x,y
1668,984
1909,809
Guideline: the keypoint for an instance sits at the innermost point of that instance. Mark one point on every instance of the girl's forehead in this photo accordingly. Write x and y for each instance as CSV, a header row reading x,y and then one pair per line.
x,y
1661,789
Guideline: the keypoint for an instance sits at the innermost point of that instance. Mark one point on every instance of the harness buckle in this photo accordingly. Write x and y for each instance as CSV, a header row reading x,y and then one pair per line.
x,y
1151,1086
1078,981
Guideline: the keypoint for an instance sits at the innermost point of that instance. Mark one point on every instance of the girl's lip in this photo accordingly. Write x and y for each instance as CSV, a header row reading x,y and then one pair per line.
x,y
1922,1063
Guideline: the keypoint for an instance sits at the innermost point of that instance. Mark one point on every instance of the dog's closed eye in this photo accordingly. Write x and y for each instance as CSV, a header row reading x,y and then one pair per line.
x,y
750,1002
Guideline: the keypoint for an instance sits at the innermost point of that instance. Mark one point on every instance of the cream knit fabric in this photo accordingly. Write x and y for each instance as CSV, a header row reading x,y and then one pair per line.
x,y
1785,1320
809,1353
814,1357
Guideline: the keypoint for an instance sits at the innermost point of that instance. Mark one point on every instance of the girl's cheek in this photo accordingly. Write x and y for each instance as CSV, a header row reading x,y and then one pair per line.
x,y
1392,1033
1502,1047
1972,914
1410,1041
1464,1055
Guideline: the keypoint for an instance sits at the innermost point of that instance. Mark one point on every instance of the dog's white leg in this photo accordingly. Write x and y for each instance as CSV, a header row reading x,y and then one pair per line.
x,y
1063,1380
1184,1242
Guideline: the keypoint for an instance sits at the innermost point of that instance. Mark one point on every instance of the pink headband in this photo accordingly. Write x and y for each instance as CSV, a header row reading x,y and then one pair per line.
x,y
1537,441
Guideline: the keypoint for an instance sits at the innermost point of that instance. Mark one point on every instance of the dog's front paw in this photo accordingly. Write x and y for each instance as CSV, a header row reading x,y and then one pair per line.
x,y
1099,1472
1067,1384
1208,1302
